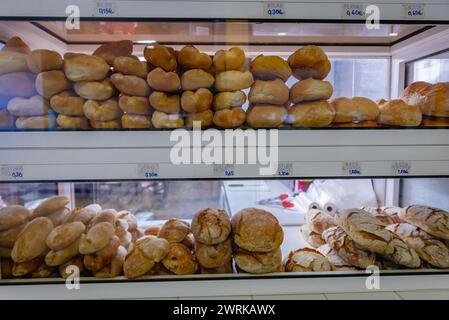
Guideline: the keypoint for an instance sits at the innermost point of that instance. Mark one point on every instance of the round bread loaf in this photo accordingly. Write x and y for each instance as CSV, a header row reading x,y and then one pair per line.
x,y
258,263
436,100
130,85
161,80
50,83
102,110
229,118
136,264
270,68
163,102
356,109
174,230
115,268
196,78
265,116
153,248
197,101
190,58
307,260
180,260
399,113
95,90
309,62
134,105
233,80
213,256
133,121
231,59
130,67
17,84
96,238
84,215
227,100
23,107
161,56
268,92
211,226
310,90
68,103
69,122
81,67
106,215
204,118
312,114
42,60
111,50
312,238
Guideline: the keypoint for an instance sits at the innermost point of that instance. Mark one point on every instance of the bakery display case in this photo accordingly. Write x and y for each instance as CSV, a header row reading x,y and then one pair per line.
x,y
95,96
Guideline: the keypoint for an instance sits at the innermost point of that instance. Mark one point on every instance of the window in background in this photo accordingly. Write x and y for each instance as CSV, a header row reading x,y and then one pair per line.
x,y
26,194
430,69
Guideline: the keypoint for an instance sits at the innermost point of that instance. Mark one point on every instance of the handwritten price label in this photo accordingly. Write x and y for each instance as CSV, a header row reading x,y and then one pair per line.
x,y
148,170
401,168
414,11
105,9
274,10
224,170
352,168
353,11
11,172
285,169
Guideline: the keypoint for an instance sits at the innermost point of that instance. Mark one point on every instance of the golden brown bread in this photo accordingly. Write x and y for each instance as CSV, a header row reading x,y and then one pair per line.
x,y
69,122
164,102
227,100
115,268
196,101
121,231
269,92
12,216
17,84
16,44
153,231
23,268
270,68
82,67
312,238
231,59
306,260
68,103
98,260
111,50
50,205
130,85
135,121
39,122
136,264
211,226
44,60
102,110
129,217
50,83
337,263
398,113
106,215
189,241
433,100
256,230
309,62
96,238
312,114
354,109
190,58
174,230
233,80
84,215
258,263
153,248
64,235
213,256
265,116
161,80
61,256
386,215
57,217
319,220
65,269
31,243
112,124
167,121
12,62
205,118
402,254
44,271
161,56
8,237
229,118
180,260
432,220
134,105
196,78
310,90
130,66
94,90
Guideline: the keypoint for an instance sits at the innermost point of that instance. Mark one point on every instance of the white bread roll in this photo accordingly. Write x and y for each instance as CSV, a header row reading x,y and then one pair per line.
x,y
233,80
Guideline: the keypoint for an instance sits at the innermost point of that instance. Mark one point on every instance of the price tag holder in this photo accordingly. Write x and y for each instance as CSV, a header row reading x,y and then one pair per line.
x,y
401,168
148,170
11,172
352,168
353,11
414,11
105,9
224,170
274,10
285,169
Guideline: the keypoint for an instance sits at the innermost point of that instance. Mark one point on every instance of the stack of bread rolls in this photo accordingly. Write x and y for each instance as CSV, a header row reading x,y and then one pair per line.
x,y
232,76
211,229
258,237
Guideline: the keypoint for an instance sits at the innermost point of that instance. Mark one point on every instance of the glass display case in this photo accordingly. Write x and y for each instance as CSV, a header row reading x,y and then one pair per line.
x,y
101,171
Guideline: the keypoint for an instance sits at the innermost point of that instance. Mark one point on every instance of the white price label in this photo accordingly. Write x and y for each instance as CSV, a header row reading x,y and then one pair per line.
x,y
353,11
401,168
148,170
274,10
11,172
105,8
285,169
352,168
224,170
414,11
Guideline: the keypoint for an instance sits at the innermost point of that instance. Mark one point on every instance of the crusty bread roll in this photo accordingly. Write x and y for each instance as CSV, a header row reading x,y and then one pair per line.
x,y
312,238
129,217
135,121
9,236
84,215
307,260
180,260
161,80
233,80
16,44
211,226
229,118
58,257
336,262
402,254
82,67
270,68
399,113
112,124
432,220
121,231
163,120
386,215
258,263
256,230
31,243
136,264
102,110
94,90
153,230
115,268
205,118
309,62
436,100
354,109
50,83
69,122
153,248
161,56
57,217
17,84
213,256
38,122
106,215
174,230
111,50
23,107
231,59
414,94
319,220
312,114
164,102
190,58
130,85
68,103
227,100
96,238
12,62
65,270
23,268
196,78
196,101
44,271
134,105
64,235
269,92
310,90
130,67
98,260
265,116
42,60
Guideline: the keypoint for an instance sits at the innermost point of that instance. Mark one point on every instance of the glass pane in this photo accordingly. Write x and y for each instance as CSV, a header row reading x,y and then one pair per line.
x,y
432,69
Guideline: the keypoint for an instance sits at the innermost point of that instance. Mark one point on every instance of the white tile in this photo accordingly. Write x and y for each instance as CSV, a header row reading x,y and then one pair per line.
x,y
291,297
218,298
425,295
363,296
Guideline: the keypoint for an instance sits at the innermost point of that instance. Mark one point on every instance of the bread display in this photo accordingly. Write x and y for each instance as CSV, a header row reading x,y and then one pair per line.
x,y
111,50
432,99
229,118
311,90
180,260
134,105
336,262
233,80
82,67
162,120
258,262
161,80
133,121
42,60
38,122
69,122
231,59
195,79
174,230
130,66
319,220
268,92
12,62
205,118
215,255
306,260
102,110
190,58
196,101
312,114
312,238
211,226
17,84
432,220
50,83
309,62
270,68
398,113
165,103
12,216
265,116
356,109
228,100
161,56
130,85
68,103
94,90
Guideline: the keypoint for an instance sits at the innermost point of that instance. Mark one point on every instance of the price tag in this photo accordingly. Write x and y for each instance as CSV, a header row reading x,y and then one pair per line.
x,y
353,11
414,11
105,8
352,168
11,172
224,170
274,10
401,168
148,170
285,169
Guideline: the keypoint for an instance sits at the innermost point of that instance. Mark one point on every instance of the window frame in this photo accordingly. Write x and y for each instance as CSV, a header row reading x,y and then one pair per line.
x,y
408,81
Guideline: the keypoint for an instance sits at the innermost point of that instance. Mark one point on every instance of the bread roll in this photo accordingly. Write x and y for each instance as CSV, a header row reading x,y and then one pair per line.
x,y
226,268
399,113
134,105
57,217
265,116
270,68
190,58
311,90
136,264
98,260
12,62
319,220
95,90
115,268
165,103
227,100
84,215
307,260
64,235
50,205
111,50
40,122
153,248
309,62
161,80
130,66
12,216
180,260
8,237
106,215
336,262
81,67
436,100
23,268
44,271
68,103
153,231
162,120
256,230
137,234
211,226
195,79
258,263
174,230
197,101
233,80
61,256
113,124
129,217
16,44
51,82
69,122
213,256
312,238
102,110
65,271
205,118
17,84
231,59
121,231
312,114
432,220
131,121
130,85
31,243
354,109
42,60
229,118
269,92
96,238
402,254
386,215
161,56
